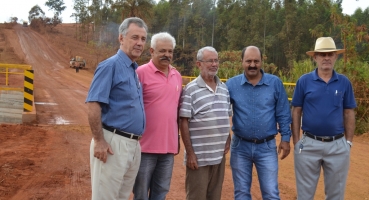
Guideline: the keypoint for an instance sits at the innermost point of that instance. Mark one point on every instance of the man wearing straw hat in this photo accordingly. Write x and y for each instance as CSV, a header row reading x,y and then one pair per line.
x,y
326,101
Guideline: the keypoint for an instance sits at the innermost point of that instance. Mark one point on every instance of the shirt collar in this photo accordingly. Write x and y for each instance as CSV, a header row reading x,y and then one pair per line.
x,y
316,77
126,59
200,81
264,80
154,69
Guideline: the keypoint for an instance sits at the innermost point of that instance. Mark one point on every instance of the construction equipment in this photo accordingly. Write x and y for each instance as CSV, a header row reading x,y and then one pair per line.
x,y
77,62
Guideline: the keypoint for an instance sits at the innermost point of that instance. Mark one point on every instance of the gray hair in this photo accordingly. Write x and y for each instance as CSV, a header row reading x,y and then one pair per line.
x,y
162,36
200,53
123,28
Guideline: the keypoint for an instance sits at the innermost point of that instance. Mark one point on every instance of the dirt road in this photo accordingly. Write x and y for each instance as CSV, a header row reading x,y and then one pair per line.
x,y
59,92
49,158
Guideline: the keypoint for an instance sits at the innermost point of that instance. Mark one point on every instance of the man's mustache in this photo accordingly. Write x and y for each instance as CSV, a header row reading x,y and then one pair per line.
x,y
165,58
252,68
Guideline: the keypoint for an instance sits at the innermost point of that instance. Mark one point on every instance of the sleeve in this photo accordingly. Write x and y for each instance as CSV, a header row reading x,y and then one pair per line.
x,y
230,113
283,113
229,87
349,101
101,84
298,94
185,104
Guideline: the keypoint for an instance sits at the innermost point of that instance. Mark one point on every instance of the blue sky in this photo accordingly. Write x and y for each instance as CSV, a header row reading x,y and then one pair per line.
x,y
20,8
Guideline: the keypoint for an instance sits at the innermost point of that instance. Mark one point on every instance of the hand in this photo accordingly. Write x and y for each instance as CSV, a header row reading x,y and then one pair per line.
x,y
192,161
101,147
285,147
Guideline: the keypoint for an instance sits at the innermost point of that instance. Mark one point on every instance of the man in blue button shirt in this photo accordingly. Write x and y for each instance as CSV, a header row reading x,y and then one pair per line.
x,y
116,116
325,101
259,103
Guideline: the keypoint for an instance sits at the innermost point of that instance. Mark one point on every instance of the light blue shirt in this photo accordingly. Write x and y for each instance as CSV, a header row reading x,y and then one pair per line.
x,y
117,88
257,109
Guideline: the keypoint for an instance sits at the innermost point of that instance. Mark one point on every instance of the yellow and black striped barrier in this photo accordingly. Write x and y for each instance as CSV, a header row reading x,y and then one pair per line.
x,y
28,90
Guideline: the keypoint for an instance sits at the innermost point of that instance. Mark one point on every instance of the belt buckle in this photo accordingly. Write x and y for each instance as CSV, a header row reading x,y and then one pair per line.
x,y
326,138
254,141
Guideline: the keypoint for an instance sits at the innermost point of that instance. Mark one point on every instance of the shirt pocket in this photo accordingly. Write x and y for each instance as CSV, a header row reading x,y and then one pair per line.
x,y
338,99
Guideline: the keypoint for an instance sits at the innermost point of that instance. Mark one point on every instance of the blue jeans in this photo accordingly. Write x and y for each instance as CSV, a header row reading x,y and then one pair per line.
x,y
154,176
243,156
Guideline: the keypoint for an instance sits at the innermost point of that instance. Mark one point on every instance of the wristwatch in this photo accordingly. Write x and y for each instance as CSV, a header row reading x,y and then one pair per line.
x,y
349,142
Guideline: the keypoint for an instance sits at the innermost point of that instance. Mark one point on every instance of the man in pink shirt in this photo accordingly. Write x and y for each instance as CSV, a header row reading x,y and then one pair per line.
x,y
162,86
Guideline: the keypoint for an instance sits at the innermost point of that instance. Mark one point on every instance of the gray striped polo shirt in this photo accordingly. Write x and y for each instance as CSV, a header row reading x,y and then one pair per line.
x,y
208,114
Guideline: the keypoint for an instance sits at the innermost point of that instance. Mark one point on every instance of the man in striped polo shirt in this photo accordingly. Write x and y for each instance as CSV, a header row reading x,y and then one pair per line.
x,y
205,111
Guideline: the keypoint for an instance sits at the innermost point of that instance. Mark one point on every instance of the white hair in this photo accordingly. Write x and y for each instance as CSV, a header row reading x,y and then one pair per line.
x,y
200,53
162,36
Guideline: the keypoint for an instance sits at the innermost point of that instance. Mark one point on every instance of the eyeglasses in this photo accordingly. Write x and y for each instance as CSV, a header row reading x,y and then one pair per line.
x,y
329,54
210,61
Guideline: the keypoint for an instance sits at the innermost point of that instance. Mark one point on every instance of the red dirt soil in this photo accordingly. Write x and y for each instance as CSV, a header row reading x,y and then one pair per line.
x,y
49,158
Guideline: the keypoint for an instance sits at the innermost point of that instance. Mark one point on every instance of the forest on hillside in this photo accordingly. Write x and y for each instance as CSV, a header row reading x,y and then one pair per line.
x,y
283,29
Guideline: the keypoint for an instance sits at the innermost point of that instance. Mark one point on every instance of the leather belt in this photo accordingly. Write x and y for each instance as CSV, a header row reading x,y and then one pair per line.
x,y
257,141
121,133
324,138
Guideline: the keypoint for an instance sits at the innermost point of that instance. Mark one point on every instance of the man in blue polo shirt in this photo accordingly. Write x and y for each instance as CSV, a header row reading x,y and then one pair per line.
x,y
326,101
116,116
259,103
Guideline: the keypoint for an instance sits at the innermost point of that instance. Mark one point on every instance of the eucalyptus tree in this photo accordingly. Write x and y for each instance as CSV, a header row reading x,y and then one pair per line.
x,y
200,23
229,29
161,20
35,13
135,8
56,5
290,34
82,17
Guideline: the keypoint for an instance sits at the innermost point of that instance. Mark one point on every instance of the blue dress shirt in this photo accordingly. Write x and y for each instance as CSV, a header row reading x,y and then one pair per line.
x,y
257,109
117,88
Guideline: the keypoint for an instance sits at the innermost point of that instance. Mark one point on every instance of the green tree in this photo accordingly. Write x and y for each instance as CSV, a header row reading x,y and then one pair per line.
x,y
161,20
135,8
82,17
13,19
56,5
36,13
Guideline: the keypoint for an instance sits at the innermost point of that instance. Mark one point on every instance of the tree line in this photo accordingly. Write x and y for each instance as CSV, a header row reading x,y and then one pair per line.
x,y
283,29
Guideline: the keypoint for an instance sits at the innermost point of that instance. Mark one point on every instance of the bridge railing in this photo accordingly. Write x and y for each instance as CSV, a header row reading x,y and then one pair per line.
x,y
27,78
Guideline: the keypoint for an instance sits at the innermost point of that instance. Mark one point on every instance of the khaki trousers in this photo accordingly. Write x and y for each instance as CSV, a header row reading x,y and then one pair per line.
x,y
114,179
206,182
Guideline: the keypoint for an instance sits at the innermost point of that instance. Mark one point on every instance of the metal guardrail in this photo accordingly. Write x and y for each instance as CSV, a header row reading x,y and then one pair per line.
x,y
7,73
27,88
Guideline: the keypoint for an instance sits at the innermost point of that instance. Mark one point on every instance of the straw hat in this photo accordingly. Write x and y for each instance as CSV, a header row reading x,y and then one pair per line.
x,y
325,44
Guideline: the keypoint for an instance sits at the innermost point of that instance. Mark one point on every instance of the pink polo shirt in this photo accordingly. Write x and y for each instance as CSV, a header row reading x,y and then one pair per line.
x,y
161,99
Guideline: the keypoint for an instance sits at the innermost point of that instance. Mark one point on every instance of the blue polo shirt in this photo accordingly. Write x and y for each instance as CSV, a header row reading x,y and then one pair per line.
x,y
257,109
323,103
117,88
